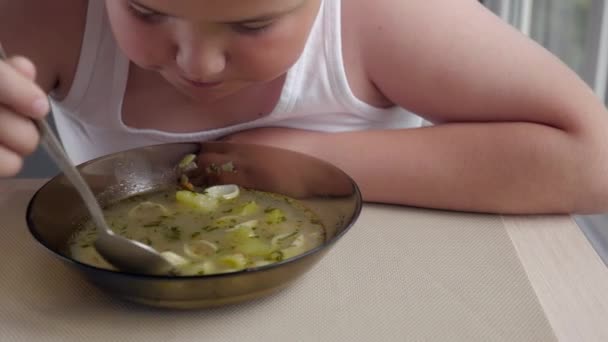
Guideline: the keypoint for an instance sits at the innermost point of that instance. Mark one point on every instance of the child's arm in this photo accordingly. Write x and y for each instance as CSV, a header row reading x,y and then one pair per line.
x,y
517,131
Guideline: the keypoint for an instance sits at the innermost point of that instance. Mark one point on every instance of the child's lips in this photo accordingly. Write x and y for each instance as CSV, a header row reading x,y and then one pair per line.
x,y
200,84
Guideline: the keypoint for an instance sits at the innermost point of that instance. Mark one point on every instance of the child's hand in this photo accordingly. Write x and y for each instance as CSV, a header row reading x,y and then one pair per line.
x,y
21,100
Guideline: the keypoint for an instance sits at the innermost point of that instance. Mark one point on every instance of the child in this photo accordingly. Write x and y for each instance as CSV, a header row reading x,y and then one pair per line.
x,y
515,131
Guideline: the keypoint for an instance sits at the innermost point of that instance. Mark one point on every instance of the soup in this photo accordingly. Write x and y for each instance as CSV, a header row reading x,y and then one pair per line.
x,y
223,229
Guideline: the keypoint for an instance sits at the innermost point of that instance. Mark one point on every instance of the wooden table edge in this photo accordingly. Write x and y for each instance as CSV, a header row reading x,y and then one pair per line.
x,y
567,275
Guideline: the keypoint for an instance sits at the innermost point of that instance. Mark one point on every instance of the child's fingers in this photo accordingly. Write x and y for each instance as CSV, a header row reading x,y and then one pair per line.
x,y
24,66
19,92
17,132
10,162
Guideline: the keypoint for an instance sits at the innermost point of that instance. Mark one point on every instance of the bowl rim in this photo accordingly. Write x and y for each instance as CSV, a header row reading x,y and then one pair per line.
x,y
325,246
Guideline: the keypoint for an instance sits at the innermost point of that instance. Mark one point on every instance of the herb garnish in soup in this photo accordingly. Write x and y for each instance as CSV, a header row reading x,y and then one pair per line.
x,y
225,228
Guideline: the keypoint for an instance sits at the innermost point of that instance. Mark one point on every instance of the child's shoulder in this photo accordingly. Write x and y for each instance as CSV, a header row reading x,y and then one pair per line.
x,y
415,22
48,32
411,33
413,50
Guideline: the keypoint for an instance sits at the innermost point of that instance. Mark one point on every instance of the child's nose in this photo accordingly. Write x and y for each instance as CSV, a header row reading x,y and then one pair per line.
x,y
201,64
201,59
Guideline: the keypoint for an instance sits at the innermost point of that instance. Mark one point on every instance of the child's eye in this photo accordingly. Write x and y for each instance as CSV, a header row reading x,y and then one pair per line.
x,y
252,27
144,14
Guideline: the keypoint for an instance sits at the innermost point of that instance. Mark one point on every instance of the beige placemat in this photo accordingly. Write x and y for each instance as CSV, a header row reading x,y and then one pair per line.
x,y
399,275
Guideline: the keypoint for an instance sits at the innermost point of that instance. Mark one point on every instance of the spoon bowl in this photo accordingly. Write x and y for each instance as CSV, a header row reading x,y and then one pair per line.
x,y
132,256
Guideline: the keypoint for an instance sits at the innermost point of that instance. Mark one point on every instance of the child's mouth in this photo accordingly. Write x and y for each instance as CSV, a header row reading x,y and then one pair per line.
x,y
199,84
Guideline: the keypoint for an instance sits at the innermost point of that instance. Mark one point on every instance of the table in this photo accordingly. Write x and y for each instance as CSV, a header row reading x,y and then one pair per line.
x,y
399,274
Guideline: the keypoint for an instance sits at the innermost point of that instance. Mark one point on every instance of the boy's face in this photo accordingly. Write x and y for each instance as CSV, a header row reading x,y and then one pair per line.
x,y
212,48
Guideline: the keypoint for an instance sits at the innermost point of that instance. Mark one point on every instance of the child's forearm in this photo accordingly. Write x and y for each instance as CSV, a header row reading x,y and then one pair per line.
x,y
487,167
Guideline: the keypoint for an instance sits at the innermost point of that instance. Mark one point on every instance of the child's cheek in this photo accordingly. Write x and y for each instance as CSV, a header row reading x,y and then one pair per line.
x,y
143,50
144,45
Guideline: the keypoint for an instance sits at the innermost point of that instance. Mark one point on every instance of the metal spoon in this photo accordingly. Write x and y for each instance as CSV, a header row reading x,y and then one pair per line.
x,y
122,253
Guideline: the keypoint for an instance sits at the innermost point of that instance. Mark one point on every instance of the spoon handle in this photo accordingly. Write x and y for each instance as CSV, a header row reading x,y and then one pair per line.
x,y
53,147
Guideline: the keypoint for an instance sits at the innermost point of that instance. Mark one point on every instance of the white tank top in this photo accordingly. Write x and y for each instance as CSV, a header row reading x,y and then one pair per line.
x,y
315,96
